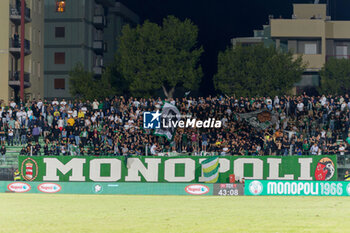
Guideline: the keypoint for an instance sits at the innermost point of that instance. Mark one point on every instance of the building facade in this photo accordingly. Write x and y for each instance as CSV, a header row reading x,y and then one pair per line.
x,y
117,17
10,49
312,34
79,31
260,37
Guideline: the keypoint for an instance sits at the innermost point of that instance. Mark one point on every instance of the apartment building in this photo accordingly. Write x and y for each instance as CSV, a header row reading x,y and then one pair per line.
x,y
260,37
80,31
117,17
10,49
312,34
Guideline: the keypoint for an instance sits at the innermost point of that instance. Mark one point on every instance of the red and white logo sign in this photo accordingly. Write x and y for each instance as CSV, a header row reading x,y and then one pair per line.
x,y
49,188
197,189
18,187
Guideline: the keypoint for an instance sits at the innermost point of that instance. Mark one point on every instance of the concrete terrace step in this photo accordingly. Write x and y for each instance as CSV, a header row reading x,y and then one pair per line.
x,y
9,158
8,166
8,162
10,155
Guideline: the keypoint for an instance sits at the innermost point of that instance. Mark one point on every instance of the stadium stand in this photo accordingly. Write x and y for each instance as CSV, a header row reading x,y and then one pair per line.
x,y
298,125
302,125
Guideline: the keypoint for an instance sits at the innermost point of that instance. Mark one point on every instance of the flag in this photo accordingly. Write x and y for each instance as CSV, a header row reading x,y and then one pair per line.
x,y
169,112
260,119
210,169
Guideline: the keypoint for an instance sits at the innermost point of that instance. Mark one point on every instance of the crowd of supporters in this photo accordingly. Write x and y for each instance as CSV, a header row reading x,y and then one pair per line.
x,y
305,125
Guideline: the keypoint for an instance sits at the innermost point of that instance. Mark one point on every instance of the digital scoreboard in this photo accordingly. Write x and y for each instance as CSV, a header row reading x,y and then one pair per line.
x,y
228,189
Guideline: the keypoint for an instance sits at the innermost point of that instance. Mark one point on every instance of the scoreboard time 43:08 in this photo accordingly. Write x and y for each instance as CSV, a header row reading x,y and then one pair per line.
x,y
228,189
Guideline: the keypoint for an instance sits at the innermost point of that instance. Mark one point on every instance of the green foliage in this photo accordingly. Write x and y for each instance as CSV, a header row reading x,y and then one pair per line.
x,y
154,57
257,71
119,85
83,84
335,77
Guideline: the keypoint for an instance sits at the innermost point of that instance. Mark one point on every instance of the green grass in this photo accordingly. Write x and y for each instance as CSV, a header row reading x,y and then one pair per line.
x,y
107,213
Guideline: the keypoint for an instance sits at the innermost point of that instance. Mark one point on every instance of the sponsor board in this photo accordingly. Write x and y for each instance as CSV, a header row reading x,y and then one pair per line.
x,y
18,187
179,169
123,188
255,187
297,188
196,189
49,188
97,188
348,189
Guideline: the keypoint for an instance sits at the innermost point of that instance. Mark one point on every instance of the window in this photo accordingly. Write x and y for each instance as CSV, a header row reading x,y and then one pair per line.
x,y
60,6
60,58
39,7
33,69
33,35
59,83
341,52
310,48
33,6
60,32
38,69
39,37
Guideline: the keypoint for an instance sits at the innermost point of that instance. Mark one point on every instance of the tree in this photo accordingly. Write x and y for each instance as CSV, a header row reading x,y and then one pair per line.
x,y
154,57
83,84
112,74
335,77
257,71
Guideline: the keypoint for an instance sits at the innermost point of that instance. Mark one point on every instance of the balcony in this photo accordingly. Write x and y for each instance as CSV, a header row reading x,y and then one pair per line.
x,y
99,21
337,30
98,47
337,57
14,79
98,70
15,47
314,61
15,15
105,2
297,28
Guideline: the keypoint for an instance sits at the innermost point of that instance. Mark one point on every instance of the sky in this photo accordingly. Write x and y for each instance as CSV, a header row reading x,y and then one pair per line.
x,y
221,20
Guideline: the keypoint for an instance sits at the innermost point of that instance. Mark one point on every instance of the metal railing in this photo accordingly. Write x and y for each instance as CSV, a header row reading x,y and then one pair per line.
x,y
16,11
99,21
98,44
16,43
15,76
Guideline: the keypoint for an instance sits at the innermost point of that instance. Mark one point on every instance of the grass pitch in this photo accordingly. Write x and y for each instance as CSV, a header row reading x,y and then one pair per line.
x,y
107,213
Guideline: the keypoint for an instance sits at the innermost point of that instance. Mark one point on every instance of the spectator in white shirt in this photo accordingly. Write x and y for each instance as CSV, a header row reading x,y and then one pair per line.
x,y
40,103
314,149
60,123
95,105
154,149
300,108
323,100
55,102
342,149
63,102
13,104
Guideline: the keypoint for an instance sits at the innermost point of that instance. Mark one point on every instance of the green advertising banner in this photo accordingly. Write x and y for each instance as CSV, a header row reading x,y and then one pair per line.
x,y
181,169
296,188
106,188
